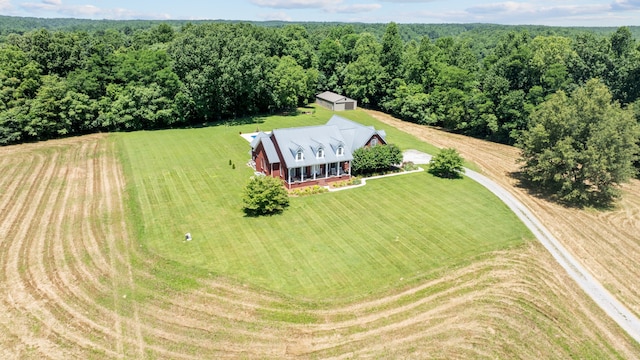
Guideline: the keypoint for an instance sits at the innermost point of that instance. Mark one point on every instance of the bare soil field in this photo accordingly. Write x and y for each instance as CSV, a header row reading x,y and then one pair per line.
x,y
606,242
77,285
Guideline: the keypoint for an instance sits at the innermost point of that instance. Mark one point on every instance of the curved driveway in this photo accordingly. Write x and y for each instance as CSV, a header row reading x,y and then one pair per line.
x,y
617,311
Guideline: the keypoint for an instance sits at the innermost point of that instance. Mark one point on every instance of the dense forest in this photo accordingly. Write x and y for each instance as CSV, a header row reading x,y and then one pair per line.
x,y
61,77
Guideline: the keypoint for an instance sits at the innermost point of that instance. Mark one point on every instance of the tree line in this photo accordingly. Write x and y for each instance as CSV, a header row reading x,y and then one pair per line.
x,y
483,83
487,81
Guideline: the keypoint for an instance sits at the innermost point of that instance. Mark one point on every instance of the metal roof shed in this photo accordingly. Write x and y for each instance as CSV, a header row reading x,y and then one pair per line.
x,y
336,102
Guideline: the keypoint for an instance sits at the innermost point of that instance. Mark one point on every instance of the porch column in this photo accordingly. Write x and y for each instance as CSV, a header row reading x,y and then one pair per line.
x,y
326,171
289,175
302,174
349,168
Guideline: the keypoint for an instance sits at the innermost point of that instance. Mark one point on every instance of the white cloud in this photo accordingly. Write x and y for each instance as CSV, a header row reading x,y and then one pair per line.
x,y
512,8
329,6
533,12
296,4
5,5
409,1
353,9
87,11
622,5
277,16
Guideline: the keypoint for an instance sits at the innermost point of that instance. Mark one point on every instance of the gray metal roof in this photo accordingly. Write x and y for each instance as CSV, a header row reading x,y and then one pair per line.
x,y
355,134
309,140
333,97
337,132
269,148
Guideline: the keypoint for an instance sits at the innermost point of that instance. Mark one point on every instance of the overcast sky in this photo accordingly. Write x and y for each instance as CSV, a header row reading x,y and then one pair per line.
x,y
543,12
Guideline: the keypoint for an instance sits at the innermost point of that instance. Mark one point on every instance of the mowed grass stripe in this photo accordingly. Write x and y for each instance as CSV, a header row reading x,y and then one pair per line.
x,y
308,247
323,269
329,247
335,227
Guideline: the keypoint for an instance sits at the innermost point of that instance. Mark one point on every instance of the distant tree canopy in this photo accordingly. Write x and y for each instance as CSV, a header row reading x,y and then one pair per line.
x,y
63,77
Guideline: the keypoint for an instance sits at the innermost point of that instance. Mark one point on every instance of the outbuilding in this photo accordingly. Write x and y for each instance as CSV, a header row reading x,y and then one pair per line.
x,y
336,102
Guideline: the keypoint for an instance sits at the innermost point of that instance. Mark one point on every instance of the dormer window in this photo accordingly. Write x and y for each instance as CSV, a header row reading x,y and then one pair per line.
x,y
320,154
340,150
374,141
299,155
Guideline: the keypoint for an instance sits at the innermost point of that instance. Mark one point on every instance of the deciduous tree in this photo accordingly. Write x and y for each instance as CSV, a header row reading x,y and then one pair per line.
x,y
373,159
447,164
580,147
264,195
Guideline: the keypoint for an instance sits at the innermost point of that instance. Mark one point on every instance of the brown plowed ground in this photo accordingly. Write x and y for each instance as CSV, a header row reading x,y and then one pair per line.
x,y
606,242
77,285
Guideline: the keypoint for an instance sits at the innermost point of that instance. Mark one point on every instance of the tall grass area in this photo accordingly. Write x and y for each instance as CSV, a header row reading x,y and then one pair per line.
x,y
329,247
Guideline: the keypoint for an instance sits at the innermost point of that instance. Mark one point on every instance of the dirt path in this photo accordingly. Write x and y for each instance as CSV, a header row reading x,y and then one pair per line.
x,y
617,311
606,243
614,309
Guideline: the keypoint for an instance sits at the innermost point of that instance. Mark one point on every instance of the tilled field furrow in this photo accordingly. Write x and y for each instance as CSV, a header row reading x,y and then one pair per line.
x,y
27,291
117,241
593,247
65,301
72,290
90,237
16,194
67,273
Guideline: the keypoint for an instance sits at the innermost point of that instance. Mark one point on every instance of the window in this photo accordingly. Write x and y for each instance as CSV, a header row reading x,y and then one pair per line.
x,y
340,150
374,141
299,155
320,154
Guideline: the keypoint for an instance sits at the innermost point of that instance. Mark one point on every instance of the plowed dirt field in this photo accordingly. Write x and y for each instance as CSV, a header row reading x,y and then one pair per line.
x,y
71,273
606,242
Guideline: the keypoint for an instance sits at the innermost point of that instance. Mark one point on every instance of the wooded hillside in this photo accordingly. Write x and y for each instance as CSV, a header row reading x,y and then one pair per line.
x,y
82,76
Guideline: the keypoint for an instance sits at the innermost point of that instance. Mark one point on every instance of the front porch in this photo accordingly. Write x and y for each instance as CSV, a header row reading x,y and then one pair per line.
x,y
322,174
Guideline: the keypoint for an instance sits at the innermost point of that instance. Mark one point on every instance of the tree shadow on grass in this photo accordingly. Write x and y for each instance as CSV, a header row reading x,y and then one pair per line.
x,y
245,120
255,214
258,119
594,201
450,175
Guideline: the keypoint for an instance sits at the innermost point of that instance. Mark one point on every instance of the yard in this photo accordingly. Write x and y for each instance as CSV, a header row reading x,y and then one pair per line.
x,y
95,265
338,246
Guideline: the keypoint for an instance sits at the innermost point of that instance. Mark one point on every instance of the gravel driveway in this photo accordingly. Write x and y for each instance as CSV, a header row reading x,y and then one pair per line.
x,y
416,157
611,306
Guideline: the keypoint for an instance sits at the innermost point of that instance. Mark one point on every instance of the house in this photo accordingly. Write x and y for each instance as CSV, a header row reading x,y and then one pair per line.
x,y
335,102
312,155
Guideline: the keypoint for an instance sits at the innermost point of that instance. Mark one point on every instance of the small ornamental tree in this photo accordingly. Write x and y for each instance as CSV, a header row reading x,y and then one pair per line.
x,y
264,195
375,159
447,164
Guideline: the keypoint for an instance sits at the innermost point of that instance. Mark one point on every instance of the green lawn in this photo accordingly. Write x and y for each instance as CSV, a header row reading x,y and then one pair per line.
x,y
328,247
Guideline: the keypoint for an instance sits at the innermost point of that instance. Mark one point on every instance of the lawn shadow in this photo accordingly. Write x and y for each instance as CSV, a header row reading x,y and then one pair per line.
x,y
599,203
449,175
256,214
260,118
245,120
